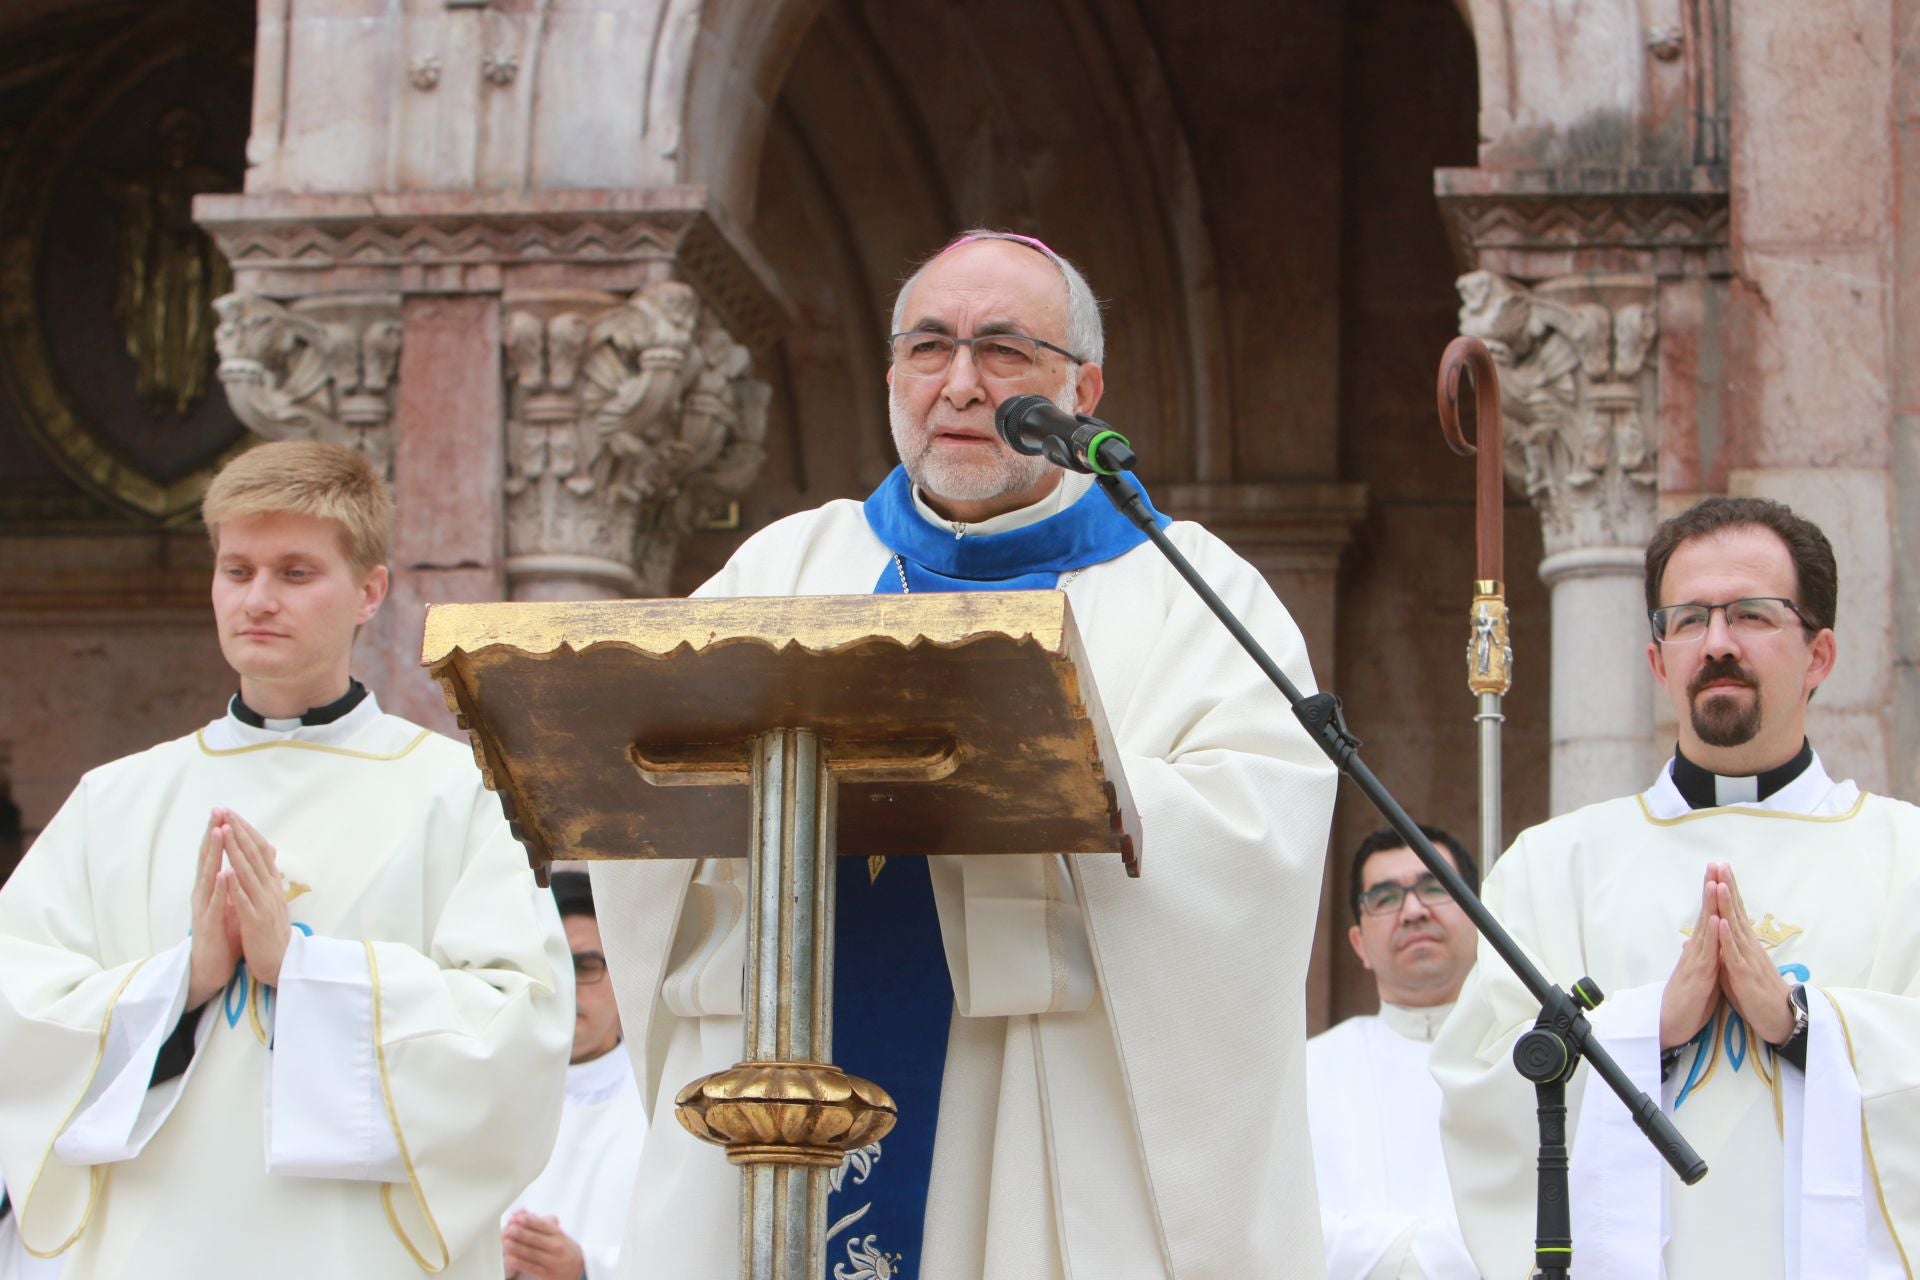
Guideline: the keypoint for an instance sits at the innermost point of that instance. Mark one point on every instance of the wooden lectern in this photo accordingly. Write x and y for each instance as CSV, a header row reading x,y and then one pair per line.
x,y
787,729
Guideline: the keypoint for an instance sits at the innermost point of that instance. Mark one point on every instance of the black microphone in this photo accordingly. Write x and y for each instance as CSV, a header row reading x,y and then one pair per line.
x,y
1036,426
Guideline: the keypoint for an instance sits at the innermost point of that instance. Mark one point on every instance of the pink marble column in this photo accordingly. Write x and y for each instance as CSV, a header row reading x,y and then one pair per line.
x,y
447,541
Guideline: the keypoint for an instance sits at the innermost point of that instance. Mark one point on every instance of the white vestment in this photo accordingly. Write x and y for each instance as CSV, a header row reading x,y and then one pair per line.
x,y
1386,1212
373,1115
1123,1087
1831,878
15,1262
588,1183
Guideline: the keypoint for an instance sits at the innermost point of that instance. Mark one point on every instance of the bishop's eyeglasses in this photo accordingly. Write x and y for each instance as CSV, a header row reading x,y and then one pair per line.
x,y
1755,616
1386,898
1004,357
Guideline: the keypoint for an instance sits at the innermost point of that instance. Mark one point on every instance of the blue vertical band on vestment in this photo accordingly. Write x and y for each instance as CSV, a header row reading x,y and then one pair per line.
x,y
892,993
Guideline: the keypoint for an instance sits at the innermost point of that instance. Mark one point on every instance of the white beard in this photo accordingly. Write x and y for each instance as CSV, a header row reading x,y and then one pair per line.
x,y
973,479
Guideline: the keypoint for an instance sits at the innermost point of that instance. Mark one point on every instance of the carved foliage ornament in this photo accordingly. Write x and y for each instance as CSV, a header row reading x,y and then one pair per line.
x,y
1578,394
321,369
624,425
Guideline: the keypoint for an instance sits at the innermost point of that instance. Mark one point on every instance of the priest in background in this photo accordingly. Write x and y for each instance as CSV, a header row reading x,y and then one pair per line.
x,y
1752,923
1386,1212
281,997
1097,1076
570,1222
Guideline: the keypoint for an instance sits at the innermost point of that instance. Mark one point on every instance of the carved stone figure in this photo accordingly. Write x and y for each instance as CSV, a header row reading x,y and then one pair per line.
x,y
1577,390
624,424
322,369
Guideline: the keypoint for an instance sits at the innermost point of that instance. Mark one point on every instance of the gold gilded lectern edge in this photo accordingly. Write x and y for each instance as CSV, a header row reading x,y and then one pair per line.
x,y
808,623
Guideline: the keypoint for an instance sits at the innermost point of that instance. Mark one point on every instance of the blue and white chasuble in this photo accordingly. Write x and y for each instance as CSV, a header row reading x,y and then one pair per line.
x,y
892,993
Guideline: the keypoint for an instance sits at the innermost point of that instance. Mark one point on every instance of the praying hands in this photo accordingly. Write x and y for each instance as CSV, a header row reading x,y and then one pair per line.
x,y
1724,958
239,908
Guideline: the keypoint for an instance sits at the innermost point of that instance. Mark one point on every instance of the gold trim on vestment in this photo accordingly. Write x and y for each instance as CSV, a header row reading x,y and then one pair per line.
x,y
1647,813
1866,1137
199,737
94,1174
399,1139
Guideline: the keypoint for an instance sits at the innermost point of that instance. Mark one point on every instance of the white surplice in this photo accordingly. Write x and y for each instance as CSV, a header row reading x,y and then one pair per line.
x,y
588,1183
1831,878
1123,1094
1386,1212
374,1115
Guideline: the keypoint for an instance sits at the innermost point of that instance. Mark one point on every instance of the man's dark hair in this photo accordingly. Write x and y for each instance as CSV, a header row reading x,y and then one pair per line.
x,y
573,893
1387,838
1816,580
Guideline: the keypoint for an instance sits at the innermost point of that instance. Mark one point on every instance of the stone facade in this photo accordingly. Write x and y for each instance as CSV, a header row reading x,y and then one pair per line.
x,y
603,288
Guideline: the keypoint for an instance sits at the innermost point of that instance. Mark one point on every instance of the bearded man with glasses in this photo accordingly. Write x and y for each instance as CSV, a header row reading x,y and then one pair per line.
x,y
1040,1020
1752,922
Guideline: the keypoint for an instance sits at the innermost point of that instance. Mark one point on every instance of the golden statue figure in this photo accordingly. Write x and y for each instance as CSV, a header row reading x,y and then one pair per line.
x,y
170,273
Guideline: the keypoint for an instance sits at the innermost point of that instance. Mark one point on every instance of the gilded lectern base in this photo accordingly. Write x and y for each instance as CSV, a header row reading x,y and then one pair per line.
x,y
804,1113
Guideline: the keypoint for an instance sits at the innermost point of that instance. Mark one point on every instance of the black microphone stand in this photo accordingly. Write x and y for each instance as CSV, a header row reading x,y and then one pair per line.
x,y
1546,1055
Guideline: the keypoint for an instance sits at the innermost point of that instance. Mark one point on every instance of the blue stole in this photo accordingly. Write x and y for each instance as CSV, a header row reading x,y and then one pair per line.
x,y
892,994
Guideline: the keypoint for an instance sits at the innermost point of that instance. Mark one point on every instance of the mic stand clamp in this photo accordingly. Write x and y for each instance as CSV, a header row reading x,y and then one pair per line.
x,y
1546,1055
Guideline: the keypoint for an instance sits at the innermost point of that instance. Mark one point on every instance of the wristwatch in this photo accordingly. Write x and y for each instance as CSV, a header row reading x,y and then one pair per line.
x,y
1794,1047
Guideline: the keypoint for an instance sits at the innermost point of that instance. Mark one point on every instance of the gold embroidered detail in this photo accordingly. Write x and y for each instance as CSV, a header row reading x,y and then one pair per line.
x,y
1746,812
400,1141
1771,932
255,1003
95,1175
874,863
1866,1136
200,739
295,889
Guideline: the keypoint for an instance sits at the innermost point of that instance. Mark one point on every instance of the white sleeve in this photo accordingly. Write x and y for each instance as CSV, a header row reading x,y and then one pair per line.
x,y
1014,933
602,1263
1365,1246
119,1113
1618,1180
326,1115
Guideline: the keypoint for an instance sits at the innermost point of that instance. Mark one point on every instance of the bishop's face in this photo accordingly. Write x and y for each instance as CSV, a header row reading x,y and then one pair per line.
x,y
1740,698
943,423
287,601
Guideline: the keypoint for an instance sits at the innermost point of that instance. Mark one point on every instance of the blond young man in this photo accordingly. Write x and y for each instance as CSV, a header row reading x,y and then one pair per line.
x,y
280,997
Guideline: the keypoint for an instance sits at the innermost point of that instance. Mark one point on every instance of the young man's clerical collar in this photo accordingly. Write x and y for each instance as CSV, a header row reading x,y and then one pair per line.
x,y
1704,789
356,693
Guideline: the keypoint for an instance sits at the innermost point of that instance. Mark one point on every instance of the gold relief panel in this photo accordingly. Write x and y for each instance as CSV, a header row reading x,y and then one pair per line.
x,y
106,284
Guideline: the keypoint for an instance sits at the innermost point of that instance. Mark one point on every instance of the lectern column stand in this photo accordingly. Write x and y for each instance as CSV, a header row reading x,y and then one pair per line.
x,y
785,1114
789,985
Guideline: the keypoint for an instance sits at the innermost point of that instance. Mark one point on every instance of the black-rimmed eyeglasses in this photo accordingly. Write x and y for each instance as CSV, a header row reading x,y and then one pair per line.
x,y
1005,357
1754,616
589,968
1386,898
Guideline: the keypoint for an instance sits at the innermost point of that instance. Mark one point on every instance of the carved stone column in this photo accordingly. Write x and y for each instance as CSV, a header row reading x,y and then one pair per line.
x,y
629,425
1579,397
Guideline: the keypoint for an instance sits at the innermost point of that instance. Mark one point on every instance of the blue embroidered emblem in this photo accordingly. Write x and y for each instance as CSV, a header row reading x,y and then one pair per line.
x,y
231,1006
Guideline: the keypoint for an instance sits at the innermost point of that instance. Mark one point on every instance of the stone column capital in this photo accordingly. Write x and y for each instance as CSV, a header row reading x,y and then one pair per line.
x,y
291,245
1537,224
1579,399
629,423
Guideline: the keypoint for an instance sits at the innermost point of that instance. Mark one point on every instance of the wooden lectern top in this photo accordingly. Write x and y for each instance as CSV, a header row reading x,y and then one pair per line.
x,y
962,723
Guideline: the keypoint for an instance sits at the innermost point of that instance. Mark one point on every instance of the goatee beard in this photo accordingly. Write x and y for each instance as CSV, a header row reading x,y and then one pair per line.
x,y
1724,721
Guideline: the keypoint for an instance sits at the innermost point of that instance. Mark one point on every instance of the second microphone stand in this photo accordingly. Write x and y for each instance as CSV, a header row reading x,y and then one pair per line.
x,y
1547,1054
